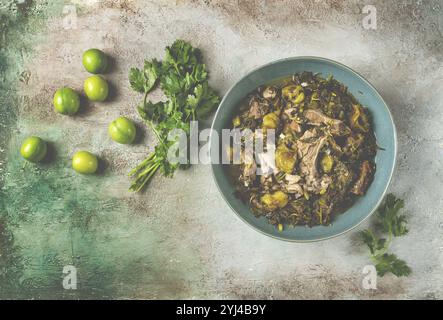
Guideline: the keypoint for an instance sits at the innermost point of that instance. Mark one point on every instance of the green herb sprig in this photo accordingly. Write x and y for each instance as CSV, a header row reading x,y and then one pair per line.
x,y
393,224
184,80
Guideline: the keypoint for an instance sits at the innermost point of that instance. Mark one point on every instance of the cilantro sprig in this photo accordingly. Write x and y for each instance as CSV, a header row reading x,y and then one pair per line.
x,y
184,81
392,223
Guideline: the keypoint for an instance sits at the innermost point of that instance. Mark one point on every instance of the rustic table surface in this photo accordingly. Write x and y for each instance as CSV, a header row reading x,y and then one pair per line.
x,y
179,239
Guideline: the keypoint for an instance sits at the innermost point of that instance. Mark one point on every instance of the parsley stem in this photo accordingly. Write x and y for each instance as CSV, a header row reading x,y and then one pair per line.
x,y
144,177
142,164
145,170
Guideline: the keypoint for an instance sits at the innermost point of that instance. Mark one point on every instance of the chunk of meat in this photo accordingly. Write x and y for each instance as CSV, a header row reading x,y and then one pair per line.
x,y
309,146
364,179
257,109
295,126
316,118
290,112
317,184
270,93
249,169
310,135
291,185
266,181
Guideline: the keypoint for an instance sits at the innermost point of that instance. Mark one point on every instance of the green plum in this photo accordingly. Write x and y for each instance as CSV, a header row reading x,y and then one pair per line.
x,y
33,149
96,88
66,101
84,162
122,130
95,61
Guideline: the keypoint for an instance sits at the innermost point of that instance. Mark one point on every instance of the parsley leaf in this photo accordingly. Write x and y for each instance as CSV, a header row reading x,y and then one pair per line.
x,y
172,84
372,241
144,81
390,263
151,71
390,220
152,111
202,100
181,57
394,224
137,80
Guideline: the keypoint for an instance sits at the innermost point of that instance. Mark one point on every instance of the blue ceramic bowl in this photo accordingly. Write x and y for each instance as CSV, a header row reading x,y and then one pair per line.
x,y
365,94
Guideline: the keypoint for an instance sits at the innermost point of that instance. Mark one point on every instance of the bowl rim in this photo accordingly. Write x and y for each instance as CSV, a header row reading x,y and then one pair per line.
x,y
394,160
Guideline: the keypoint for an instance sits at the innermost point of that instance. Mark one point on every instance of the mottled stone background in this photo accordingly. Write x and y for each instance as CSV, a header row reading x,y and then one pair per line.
x,y
179,239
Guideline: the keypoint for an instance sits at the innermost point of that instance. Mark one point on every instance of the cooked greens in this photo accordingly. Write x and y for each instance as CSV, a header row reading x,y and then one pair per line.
x,y
184,81
325,149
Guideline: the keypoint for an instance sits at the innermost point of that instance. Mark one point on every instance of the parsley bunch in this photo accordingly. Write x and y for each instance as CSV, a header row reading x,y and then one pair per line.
x,y
391,223
184,80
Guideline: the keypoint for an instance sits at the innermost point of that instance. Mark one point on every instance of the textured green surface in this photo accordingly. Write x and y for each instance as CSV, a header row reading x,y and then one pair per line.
x,y
52,217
